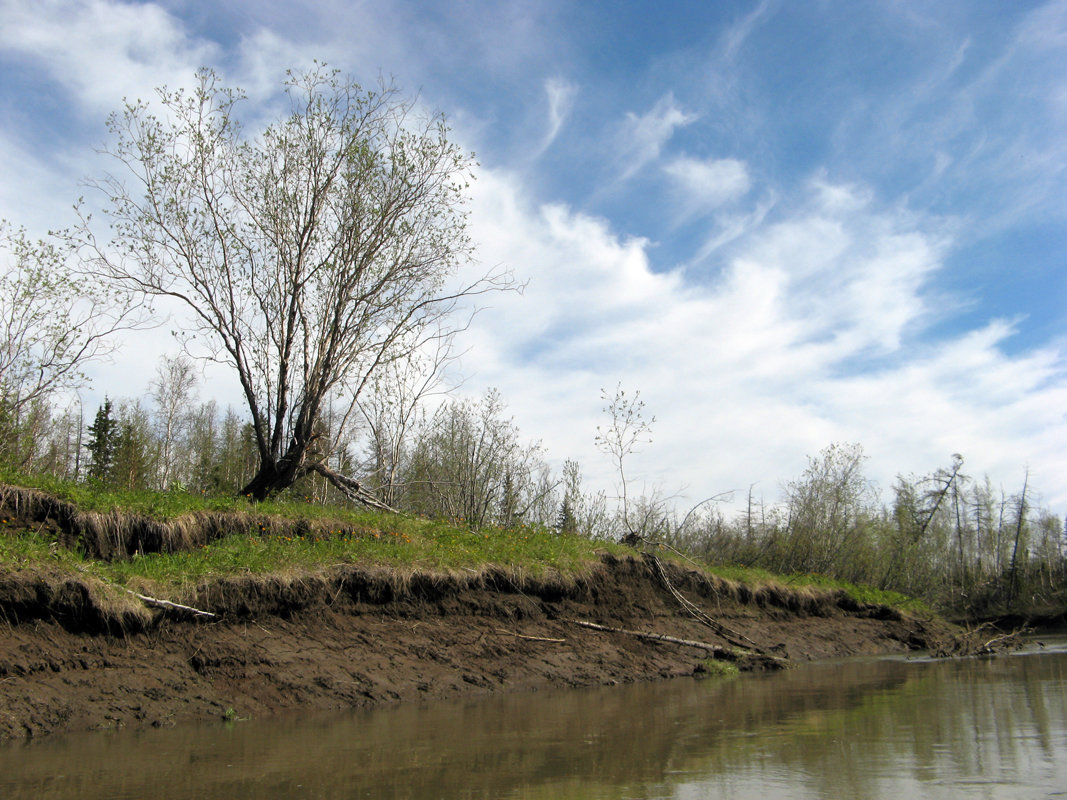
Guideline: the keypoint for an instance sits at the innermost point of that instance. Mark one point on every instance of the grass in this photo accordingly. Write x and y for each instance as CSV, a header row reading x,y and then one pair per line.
x,y
164,505
341,536
861,594
718,668
406,543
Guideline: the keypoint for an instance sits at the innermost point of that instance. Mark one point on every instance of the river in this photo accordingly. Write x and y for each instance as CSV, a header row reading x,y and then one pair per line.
x,y
863,728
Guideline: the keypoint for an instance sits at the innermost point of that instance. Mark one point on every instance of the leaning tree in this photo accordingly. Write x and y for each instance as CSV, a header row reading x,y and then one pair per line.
x,y
310,253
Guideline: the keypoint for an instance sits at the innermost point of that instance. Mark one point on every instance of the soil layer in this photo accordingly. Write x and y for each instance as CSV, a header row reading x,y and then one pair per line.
x,y
357,638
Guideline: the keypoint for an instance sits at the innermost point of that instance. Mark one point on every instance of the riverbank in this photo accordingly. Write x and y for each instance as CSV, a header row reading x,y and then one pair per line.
x,y
115,615
353,637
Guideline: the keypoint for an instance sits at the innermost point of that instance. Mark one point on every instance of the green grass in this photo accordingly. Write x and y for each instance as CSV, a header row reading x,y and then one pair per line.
x,y
167,505
715,668
353,536
407,544
91,497
861,594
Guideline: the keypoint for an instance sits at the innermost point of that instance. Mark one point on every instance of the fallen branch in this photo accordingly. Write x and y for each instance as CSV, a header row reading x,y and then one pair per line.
x,y
152,601
718,652
155,601
968,643
531,638
733,637
656,637
1002,641
350,488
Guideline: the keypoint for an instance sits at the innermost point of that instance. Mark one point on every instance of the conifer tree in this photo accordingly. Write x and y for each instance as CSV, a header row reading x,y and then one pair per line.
x,y
103,437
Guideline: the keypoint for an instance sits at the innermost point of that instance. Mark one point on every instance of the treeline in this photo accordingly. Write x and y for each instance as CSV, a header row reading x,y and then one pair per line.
x,y
955,540
951,538
464,460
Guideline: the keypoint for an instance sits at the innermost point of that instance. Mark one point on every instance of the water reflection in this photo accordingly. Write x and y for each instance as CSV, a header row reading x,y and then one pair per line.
x,y
860,729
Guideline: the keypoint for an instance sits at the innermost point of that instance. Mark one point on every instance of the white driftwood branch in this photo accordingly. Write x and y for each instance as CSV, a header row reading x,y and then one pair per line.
x,y
731,655
657,637
530,638
155,601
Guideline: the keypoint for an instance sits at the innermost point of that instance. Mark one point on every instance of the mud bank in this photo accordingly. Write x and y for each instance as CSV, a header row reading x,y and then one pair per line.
x,y
352,637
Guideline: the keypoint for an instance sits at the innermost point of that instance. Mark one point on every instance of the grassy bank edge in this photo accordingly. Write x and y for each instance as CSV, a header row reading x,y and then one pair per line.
x,y
291,539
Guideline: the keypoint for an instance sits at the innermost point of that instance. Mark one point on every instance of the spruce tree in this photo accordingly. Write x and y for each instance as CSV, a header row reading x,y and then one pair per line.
x,y
565,521
103,436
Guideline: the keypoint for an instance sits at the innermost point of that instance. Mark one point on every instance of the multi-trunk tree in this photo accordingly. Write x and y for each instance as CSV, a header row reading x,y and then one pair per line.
x,y
309,254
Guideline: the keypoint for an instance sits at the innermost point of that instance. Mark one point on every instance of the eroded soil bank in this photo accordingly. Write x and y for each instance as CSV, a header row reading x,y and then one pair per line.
x,y
356,638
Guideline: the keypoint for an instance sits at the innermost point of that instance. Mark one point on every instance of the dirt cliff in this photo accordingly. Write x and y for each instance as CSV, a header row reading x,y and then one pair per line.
x,y
356,637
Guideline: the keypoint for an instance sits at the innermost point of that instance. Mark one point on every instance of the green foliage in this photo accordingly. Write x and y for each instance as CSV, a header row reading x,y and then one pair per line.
x,y
719,668
103,440
51,323
947,539
135,456
825,507
565,521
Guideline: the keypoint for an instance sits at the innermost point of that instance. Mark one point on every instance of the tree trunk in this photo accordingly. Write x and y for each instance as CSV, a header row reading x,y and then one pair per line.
x,y
274,476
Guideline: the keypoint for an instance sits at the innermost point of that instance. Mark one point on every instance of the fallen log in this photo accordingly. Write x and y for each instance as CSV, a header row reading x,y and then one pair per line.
x,y
717,651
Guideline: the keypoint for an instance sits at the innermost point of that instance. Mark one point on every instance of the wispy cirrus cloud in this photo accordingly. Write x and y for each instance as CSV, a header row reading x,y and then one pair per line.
x,y
642,136
810,309
560,95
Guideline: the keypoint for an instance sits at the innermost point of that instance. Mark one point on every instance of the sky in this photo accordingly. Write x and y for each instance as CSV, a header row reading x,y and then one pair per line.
x,y
784,224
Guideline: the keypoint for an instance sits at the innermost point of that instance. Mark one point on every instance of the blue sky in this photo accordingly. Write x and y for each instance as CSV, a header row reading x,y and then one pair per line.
x,y
786,224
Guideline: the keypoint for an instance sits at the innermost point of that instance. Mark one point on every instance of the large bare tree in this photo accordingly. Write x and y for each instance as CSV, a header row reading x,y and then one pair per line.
x,y
310,254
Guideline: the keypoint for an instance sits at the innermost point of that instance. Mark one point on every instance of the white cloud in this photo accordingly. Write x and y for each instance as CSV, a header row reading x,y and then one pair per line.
x,y
736,36
802,325
807,337
705,185
102,51
34,194
985,110
642,137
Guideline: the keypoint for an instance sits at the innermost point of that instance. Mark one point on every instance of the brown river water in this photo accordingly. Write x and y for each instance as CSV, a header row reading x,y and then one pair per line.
x,y
864,728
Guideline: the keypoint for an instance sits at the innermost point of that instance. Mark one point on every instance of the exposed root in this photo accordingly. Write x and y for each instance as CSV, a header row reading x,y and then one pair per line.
x,y
531,638
168,605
